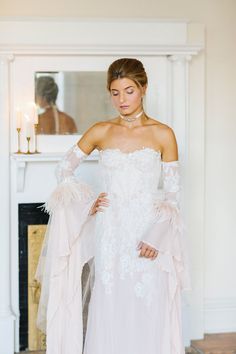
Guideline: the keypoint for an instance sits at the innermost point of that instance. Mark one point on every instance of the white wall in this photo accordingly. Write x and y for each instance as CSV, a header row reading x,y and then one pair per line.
x,y
219,18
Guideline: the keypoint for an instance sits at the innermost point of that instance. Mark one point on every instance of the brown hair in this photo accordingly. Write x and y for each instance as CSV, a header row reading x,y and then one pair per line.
x,y
128,68
47,88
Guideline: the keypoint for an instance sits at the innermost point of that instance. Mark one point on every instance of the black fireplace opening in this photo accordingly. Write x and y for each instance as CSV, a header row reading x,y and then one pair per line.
x,y
29,214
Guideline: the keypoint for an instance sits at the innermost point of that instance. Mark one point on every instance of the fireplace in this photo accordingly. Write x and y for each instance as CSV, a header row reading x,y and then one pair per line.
x,y
29,214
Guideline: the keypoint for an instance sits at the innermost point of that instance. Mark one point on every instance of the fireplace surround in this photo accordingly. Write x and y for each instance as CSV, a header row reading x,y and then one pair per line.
x,y
171,52
29,214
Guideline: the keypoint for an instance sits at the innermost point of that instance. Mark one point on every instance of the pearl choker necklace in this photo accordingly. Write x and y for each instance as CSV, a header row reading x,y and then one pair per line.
x,y
131,119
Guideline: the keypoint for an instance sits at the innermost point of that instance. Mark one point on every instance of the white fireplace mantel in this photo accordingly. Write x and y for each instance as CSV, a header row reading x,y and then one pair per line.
x,y
22,160
30,45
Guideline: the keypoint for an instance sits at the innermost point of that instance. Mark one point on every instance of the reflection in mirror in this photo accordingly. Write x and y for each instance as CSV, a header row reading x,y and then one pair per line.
x,y
70,102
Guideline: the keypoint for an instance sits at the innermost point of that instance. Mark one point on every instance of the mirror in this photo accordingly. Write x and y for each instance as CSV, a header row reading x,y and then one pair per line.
x,y
70,102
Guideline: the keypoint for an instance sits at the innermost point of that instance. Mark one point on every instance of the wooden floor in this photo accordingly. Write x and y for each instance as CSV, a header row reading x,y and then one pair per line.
x,y
223,343
189,351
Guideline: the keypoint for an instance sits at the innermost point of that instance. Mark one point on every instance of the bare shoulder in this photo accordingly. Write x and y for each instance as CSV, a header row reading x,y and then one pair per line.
x,y
165,135
93,135
163,131
64,115
99,129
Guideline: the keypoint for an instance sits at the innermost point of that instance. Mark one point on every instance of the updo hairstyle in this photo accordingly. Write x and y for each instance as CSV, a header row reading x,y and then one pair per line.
x,y
47,88
128,68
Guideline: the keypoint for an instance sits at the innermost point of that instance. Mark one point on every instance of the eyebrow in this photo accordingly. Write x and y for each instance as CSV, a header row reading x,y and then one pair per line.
x,y
124,88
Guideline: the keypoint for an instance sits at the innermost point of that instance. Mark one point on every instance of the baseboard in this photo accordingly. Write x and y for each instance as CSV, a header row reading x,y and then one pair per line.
x,y
220,315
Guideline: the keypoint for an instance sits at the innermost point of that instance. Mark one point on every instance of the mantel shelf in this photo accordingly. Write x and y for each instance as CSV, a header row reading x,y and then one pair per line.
x,y
46,157
23,159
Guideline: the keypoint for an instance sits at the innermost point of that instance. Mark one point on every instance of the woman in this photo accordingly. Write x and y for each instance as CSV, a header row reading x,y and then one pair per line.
x,y
131,235
51,120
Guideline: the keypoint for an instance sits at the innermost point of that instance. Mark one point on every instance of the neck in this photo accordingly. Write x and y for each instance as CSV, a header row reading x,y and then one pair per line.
x,y
132,117
138,122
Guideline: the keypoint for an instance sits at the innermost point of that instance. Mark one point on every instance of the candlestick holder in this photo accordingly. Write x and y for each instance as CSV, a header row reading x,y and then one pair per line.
x,y
35,136
28,146
18,141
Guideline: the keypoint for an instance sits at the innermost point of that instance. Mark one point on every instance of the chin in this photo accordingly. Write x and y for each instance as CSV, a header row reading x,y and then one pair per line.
x,y
126,111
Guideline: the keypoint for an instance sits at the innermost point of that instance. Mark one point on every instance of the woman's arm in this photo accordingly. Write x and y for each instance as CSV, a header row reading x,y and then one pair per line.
x,y
77,153
65,170
171,186
170,168
169,144
93,137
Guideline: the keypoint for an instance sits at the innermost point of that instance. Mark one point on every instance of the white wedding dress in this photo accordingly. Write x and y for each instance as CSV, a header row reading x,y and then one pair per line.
x,y
135,304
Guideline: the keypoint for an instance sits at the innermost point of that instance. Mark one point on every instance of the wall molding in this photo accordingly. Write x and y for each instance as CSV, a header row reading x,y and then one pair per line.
x,y
65,50
220,315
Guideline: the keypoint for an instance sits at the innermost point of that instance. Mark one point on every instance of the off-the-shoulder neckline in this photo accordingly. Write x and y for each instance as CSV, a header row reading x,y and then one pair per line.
x,y
130,152
144,148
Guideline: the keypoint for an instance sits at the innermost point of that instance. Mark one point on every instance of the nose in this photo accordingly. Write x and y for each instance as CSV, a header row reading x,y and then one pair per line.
x,y
121,97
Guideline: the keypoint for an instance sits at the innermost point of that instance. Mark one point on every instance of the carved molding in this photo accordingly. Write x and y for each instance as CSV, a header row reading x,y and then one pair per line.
x,y
6,58
178,57
173,51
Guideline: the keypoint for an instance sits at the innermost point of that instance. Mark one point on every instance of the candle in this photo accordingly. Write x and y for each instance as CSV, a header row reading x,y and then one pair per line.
x,y
18,118
28,126
35,114
31,111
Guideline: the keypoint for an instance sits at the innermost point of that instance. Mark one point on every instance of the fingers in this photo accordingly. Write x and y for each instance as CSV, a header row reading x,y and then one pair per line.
x,y
147,251
102,194
102,197
101,201
155,254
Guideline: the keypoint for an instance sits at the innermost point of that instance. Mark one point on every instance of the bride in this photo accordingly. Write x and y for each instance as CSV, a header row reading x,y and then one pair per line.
x,y
131,235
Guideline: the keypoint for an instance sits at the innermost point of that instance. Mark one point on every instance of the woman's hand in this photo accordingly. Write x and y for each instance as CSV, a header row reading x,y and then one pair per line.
x,y
147,251
100,201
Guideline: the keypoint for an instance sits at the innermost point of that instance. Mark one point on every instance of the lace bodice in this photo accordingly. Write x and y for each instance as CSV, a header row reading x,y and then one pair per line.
x,y
126,175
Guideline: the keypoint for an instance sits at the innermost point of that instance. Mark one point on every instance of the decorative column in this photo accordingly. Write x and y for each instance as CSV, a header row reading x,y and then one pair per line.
x,y
179,100
192,201
179,113
179,120
6,315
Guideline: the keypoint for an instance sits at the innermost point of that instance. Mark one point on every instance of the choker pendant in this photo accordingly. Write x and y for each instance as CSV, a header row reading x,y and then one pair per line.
x,y
131,119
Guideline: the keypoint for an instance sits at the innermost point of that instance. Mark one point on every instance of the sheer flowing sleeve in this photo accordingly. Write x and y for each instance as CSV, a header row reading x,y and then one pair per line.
x,y
65,170
167,233
67,246
69,186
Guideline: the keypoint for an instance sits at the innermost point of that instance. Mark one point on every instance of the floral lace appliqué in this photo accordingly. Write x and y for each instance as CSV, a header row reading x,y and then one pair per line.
x,y
66,167
143,288
131,181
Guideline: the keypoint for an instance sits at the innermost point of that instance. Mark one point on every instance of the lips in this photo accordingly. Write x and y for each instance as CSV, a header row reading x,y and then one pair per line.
x,y
124,107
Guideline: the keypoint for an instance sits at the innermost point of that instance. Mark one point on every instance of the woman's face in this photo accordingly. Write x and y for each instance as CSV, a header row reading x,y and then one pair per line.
x,y
126,96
